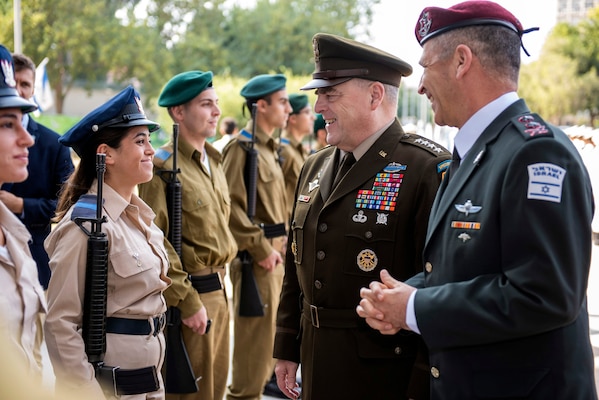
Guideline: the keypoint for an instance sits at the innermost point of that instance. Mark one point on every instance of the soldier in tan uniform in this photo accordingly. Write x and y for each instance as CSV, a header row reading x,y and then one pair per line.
x,y
263,237
207,243
22,297
137,259
349,222
293,154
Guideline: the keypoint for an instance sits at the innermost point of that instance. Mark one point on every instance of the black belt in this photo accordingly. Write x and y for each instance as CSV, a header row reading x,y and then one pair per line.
x,y
331,318
127,326
117,381
206,283
273,230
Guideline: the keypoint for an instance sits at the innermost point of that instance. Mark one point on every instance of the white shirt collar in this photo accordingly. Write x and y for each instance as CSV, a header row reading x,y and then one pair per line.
x,y
481,119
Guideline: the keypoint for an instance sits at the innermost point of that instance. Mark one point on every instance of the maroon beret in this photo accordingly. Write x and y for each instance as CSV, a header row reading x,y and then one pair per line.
x,y
435,20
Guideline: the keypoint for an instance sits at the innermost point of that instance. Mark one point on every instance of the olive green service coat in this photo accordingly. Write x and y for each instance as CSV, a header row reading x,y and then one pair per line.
x,y
338,243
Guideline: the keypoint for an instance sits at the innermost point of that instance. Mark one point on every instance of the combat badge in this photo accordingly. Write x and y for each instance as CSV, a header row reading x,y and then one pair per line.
x,y
367,260
464,237
394,167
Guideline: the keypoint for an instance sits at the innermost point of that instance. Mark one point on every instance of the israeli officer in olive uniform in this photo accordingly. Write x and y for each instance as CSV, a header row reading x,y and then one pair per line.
x,y
293,154
207,243
263,236
343,233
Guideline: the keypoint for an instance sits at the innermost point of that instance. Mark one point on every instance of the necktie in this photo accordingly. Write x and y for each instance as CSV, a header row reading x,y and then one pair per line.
x,y
346,164
455,164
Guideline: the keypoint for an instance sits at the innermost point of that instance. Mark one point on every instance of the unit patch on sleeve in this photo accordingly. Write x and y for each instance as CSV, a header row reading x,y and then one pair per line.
x,y
545,182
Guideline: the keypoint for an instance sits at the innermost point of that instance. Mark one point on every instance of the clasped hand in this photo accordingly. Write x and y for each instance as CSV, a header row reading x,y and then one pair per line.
x,y
383,304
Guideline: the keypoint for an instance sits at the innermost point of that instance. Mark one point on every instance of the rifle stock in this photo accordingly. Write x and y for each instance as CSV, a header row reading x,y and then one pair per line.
x,y
179,376
250,301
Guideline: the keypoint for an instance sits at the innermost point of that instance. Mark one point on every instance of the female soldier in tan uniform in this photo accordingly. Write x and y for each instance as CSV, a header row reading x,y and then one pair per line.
x,y
21,297
137,260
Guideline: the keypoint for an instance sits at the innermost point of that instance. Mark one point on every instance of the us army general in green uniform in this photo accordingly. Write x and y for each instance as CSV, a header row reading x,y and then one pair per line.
x,y
264,237
342,236
207,244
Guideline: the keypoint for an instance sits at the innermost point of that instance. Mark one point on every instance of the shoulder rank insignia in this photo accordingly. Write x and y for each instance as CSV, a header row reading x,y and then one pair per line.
x,y
424,143
532,126
85,207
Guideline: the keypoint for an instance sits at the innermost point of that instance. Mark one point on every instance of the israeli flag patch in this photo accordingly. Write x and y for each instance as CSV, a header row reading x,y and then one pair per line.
x,y
545,182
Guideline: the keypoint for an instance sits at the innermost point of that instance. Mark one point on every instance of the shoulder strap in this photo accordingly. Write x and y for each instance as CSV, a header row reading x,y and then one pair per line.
x,y
531,126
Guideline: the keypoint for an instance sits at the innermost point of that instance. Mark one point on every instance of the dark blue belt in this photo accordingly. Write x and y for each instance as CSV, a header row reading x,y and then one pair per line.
x,y
127,326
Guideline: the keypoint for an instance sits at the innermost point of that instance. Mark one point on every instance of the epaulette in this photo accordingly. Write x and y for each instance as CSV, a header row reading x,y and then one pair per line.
x,y
85,207
423,143
285,141
244,136
532,126
161,155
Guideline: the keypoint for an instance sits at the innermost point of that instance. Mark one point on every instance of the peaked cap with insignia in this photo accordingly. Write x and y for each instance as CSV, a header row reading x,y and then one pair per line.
x,y
122,111
339,59
9,96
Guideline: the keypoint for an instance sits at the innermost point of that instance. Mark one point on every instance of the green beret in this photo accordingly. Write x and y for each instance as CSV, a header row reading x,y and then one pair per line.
x,y
184,87
298,102
339,59
261,86
319,123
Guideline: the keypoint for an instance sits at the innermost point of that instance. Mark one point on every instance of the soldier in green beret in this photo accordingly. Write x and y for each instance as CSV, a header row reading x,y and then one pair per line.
x,y
208,245
293,154
361,205
263,236
320,133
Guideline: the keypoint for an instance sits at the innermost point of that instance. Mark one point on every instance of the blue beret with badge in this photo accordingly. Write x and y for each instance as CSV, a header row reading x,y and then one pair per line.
x,y
261,86
183,87
122,111
9,97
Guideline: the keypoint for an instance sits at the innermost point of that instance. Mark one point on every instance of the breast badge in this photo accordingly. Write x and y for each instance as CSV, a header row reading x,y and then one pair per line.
x,y
367,260
313,185
359,217
381,218
467,207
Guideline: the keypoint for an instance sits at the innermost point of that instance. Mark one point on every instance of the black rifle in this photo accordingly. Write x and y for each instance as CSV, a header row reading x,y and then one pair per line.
x,y
250,302
96,277
179,376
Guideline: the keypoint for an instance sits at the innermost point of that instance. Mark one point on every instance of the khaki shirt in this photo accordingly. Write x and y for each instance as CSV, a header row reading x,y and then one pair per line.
x,y
206,240
22,297
293,155
271,204
137,268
